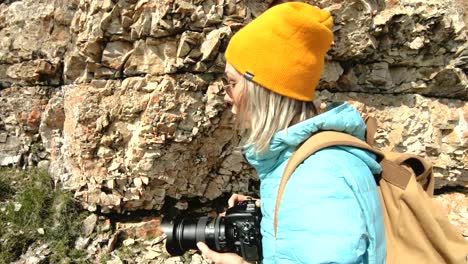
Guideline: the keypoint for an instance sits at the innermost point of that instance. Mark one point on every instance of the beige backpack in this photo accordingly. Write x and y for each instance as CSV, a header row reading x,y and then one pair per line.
x,y
416,229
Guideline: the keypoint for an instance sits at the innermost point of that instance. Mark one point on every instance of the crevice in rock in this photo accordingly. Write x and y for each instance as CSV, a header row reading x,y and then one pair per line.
x,y
7,2
451,189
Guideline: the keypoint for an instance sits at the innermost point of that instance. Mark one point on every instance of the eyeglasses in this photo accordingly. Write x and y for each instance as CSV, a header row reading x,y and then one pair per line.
x,y
228,85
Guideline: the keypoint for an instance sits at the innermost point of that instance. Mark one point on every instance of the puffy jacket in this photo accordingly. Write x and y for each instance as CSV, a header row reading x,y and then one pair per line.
x,y
330,210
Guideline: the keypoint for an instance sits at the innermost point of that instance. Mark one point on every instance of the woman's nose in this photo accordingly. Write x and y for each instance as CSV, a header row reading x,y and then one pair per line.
x,y
227,99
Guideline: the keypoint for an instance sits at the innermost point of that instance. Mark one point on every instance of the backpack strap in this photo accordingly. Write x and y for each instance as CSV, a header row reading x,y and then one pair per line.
x,y
416,166
315,143
371,129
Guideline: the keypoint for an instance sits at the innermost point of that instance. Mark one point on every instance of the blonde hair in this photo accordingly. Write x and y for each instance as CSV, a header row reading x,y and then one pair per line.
x,y
262,113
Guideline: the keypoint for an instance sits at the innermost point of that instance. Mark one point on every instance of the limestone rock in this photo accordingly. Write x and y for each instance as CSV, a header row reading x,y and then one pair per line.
x,y
141,230
108,140
20,119
34,38
150,56
89,224
210,46
405,48
116,53
433,128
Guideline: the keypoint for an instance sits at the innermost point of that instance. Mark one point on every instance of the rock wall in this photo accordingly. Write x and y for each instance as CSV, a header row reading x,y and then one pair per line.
x,y
122,100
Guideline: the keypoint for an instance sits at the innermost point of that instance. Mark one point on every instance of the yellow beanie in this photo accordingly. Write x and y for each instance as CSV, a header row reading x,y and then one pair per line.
x,y
283,49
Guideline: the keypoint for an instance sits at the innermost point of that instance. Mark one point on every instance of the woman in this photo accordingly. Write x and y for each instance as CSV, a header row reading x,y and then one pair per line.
x,y
330,210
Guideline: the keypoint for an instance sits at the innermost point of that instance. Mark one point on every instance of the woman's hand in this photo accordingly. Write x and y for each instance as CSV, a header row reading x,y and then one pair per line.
x,y
235,198
220,258
226,258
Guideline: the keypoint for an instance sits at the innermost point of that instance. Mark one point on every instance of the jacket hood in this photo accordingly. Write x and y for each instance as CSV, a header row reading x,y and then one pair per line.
x,y
343,118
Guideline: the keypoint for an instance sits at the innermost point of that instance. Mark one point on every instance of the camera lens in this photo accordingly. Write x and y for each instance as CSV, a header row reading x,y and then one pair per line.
x,y
180,235
184,233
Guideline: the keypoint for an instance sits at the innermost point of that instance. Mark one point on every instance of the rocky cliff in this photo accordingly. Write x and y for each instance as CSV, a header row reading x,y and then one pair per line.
x,y
122,100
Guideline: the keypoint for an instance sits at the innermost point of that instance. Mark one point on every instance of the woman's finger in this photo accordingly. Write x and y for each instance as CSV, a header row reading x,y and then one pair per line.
x,y
233,199
257,202
207,252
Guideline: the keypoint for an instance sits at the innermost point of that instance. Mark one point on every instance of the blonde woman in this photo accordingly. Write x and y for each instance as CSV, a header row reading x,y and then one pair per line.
x,y
330,210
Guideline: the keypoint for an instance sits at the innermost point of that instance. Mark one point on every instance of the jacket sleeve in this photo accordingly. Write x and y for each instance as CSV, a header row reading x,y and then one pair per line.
x,y
320,218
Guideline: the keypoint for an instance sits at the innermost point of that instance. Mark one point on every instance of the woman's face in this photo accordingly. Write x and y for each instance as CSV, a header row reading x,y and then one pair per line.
x,y
234,88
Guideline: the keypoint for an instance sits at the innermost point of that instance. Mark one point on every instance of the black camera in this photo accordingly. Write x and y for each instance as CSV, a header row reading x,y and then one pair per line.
x,y
237,232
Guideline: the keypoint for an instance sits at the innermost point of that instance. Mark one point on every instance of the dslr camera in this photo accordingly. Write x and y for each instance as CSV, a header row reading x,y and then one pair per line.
x,y
237,232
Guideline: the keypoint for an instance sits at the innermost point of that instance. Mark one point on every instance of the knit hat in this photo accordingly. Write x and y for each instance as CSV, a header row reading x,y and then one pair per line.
x,y
283,49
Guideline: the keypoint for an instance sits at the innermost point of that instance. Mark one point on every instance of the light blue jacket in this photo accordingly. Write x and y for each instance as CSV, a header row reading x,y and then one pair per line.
x,y
330,210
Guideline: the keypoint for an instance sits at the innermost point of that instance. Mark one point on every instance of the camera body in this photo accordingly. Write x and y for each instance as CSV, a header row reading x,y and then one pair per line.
x,y
237,232
242,224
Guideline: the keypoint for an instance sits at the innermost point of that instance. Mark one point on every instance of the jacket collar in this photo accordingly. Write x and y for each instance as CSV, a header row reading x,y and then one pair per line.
x,y
343,118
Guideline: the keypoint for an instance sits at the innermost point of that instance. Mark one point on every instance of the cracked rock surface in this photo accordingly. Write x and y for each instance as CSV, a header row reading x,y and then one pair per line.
x,y
122,100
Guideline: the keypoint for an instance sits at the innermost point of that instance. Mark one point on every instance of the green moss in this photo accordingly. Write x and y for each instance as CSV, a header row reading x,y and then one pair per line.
x,y
6,191
36,147
32,204
35,204
125,252
77,254
104,258
14,244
